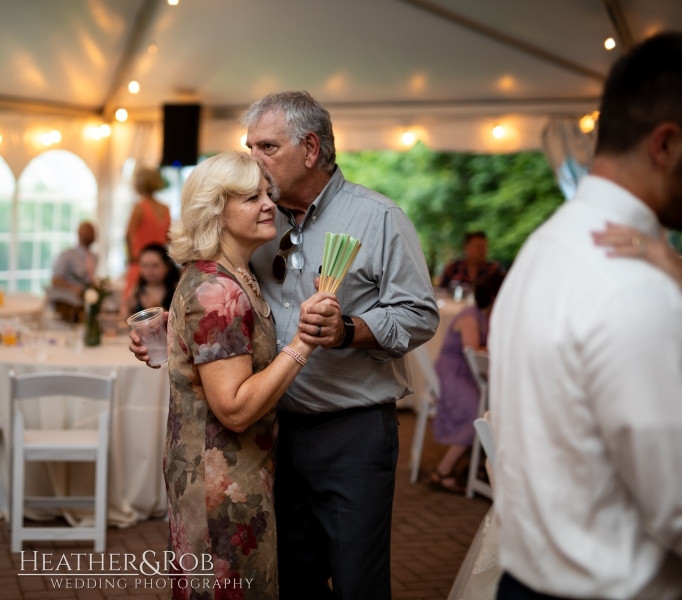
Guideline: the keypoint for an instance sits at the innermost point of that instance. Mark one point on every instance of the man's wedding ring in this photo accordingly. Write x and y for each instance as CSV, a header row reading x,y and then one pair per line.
x,y
639,244
319,331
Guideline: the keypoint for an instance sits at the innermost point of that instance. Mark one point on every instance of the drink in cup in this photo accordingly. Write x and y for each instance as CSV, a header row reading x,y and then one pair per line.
x,y
150,326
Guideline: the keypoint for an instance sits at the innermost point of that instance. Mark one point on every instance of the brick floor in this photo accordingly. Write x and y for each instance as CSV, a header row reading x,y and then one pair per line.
x,y
431,534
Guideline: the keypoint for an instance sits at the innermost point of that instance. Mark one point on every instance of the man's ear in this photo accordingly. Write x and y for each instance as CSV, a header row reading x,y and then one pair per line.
x,y
312,149
665,146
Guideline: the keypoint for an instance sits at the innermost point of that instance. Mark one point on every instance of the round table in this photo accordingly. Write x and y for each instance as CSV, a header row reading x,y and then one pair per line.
x,y
21,306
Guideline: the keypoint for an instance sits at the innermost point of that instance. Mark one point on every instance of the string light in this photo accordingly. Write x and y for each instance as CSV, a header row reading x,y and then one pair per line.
x,y
609,43
586,124
173,2
133,87
499,132
121,115
408,138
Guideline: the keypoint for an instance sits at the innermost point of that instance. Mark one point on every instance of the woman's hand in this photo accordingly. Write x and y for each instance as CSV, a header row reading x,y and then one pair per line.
x,y
628,242
320,322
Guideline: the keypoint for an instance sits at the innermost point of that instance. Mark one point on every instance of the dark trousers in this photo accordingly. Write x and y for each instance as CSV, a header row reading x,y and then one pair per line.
x,y
511,588
334,489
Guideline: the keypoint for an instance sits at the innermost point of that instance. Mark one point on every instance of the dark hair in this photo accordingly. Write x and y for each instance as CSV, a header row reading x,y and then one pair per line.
x,y
486,288
643,90
172,276
472,235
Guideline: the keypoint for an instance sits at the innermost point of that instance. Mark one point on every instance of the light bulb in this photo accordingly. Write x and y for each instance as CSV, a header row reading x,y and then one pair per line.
x,y
609,43
408,138
133,87
499,132
121,115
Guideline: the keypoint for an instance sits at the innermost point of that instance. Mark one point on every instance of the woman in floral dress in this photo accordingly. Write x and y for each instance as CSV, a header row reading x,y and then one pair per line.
x,y
225,382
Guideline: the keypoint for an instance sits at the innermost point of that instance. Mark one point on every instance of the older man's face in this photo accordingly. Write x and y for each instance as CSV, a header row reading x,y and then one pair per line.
x,y
86,235
269,142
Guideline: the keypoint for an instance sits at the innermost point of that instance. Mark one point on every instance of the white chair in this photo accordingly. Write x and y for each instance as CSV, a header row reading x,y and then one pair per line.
x,y
60,445
427,408
478,363
485,434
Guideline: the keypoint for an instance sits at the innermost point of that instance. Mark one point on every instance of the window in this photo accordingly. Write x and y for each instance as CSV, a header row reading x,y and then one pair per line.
x,y
56,192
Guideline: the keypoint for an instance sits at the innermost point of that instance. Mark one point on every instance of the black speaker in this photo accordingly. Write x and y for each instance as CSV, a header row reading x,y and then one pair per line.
x,y
180,134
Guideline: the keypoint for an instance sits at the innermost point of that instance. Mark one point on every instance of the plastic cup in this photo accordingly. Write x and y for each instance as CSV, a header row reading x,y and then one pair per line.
x,y
151,328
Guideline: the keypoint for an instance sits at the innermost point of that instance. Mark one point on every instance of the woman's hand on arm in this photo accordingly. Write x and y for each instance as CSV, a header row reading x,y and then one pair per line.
x,y
237,396
627,242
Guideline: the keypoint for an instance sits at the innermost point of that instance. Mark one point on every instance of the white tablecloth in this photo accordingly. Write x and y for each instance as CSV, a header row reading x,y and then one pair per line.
x,y
448,310
22,306
138,426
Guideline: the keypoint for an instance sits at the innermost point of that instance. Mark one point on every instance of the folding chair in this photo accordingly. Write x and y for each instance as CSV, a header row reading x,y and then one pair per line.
x,y
427,408
478,363
62,445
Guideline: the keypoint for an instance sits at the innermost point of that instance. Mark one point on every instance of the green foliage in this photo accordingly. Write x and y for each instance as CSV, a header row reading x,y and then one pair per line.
x,y
447,194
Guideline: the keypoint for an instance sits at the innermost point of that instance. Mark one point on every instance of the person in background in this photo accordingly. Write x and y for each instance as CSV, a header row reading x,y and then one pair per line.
x,y
457,409
149,223
158,279
73,271
474,264
586,365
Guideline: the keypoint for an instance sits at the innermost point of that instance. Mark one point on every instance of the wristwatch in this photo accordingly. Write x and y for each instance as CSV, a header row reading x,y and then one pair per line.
x,y
350,333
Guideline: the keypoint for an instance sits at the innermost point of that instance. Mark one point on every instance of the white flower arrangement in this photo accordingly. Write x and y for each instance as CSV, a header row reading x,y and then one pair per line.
x,y
91,296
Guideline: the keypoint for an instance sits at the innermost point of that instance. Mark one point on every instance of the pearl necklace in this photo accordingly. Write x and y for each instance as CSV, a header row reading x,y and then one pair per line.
x,y
247,275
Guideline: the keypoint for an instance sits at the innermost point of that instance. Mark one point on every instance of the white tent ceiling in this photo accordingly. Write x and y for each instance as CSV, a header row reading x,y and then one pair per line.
x,y
445,66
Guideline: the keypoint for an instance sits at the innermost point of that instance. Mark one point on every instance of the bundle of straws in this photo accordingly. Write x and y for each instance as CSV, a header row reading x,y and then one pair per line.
x,y
340,251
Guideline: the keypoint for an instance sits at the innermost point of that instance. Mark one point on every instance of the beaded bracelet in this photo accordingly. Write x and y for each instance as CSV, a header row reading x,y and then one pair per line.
x,y
295,355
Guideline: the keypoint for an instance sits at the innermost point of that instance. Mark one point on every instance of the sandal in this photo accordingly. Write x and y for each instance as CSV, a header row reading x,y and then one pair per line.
x,y
445,483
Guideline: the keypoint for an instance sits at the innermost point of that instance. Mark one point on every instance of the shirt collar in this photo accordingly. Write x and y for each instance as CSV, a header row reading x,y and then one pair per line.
x,y
322,201
611,197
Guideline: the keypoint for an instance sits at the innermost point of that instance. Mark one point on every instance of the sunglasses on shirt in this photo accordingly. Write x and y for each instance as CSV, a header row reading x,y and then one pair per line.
x,y
293,237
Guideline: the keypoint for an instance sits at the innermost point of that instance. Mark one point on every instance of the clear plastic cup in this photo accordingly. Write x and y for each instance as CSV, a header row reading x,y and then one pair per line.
x,y
151,327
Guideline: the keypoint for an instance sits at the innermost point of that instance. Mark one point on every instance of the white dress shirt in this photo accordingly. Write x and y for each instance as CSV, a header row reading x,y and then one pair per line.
x,y
586,404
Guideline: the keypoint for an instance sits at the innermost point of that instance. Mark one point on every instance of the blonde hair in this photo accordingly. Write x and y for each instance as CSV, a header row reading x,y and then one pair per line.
x,y
197,233
147,181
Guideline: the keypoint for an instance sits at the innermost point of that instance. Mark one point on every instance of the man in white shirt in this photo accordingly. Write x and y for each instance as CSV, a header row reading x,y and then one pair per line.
x,y
586,356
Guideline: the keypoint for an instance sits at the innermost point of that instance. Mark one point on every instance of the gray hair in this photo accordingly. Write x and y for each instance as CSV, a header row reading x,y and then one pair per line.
x,y
303,115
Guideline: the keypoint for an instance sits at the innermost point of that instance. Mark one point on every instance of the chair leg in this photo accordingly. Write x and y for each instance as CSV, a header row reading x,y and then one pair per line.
x,y
17,504
101,477
418,438
473,466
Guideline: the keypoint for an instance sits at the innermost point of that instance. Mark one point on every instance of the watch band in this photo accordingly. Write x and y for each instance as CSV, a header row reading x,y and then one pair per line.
x,y
350,333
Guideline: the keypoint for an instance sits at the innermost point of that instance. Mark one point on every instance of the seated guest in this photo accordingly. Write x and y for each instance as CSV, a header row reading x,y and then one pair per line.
x,y
474,264
72,273
156,284
453,424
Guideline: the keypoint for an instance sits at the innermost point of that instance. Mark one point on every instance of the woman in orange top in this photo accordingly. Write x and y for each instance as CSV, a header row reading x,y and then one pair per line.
x,y
149,222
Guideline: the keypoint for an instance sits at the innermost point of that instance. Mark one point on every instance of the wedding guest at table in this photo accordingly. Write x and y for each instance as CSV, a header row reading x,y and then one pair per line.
x,y
473,265
158,279
453,425
226,377
73,271
586,365
148,223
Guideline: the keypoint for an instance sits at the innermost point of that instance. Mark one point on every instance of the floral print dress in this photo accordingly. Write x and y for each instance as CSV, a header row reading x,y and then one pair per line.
x,y
219,483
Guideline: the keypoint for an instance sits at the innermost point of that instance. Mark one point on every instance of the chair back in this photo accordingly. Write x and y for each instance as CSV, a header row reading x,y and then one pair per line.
x,y
428,371
479,363
485,434
39,385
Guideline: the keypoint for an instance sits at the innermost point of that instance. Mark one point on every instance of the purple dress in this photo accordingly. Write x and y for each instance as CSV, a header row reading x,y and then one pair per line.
x,y
458,405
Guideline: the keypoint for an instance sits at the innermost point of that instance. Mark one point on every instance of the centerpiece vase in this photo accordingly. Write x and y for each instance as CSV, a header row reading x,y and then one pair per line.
x,y
93,330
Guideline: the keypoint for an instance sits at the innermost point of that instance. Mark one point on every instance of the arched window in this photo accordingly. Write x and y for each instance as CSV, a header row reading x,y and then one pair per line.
x,y
7,185
57,191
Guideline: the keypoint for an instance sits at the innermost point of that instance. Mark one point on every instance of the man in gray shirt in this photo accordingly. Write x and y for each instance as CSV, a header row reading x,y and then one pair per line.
x,y
338,443
338,429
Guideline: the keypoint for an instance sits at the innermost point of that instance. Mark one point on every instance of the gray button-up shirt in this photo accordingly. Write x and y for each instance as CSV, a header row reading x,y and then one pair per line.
x,y
388,287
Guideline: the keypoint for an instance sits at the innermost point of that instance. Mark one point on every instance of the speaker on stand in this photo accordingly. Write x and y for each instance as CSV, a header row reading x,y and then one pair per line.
x,y
180,134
